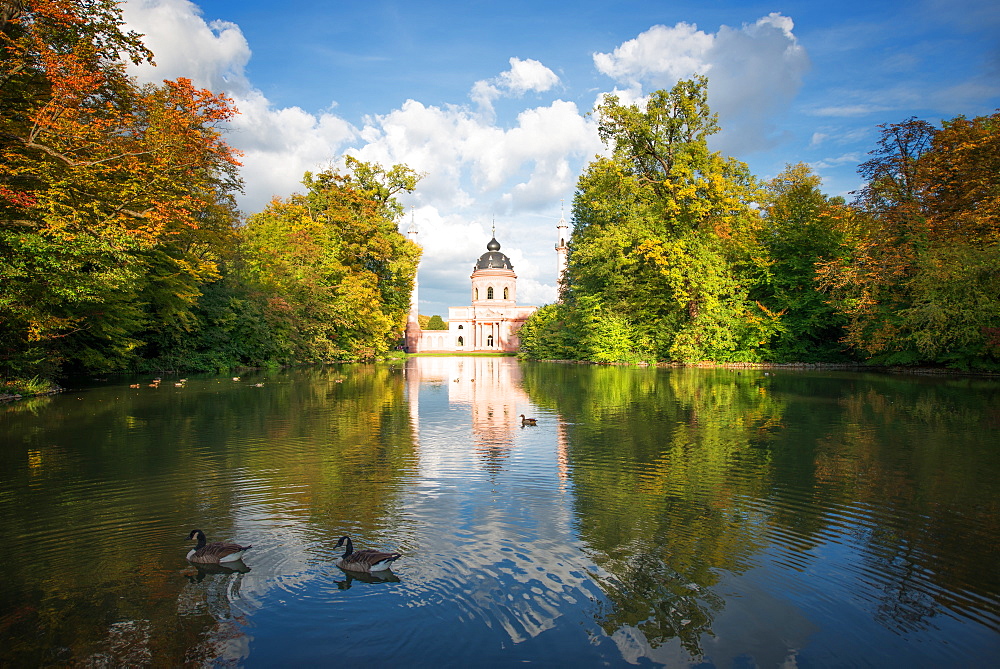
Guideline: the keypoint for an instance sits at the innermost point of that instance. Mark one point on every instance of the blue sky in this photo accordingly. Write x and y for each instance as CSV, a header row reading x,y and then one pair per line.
x,y
490,100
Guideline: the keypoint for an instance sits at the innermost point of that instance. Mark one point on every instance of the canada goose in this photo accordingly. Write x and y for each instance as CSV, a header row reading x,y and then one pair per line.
x,y
215,552
528,421
367,560
134,385
178,385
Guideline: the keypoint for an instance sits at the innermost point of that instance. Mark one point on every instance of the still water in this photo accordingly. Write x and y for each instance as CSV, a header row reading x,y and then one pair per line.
x,y
652,517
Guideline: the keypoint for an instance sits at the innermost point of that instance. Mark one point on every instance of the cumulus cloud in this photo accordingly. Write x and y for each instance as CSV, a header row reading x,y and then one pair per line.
x,y
658,57
278,144
476,171
213,55
522,77
754,72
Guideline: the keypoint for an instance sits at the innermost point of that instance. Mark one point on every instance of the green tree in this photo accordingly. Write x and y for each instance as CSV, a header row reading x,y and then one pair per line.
x,y
548,335
436,323
800,229
336,270
665,234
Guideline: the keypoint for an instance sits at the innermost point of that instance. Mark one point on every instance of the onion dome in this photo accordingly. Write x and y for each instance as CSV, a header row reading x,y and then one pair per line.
x,y
493,259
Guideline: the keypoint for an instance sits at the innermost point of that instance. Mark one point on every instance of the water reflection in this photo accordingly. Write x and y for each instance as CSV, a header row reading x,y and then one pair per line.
x,y
374,577
487,390
687,477
670,517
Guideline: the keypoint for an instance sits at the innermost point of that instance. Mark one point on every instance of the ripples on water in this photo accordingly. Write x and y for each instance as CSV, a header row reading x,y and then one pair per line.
x,y
653,516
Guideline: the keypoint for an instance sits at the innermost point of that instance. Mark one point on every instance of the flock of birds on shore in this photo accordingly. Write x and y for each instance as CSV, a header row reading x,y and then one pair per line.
x,y
180,383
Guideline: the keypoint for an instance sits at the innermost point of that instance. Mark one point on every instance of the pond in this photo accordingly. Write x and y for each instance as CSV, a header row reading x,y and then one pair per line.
x,y
652,517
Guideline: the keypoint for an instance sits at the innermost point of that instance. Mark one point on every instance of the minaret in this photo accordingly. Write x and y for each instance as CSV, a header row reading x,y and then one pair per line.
x,y
411,233
561,247
413,331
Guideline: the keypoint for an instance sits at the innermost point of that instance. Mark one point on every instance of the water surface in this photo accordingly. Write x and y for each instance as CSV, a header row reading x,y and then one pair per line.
x,y
653,517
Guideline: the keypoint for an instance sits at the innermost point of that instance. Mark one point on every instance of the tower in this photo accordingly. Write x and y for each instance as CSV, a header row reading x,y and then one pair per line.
x,y
413,332
562,235
494,284
411,234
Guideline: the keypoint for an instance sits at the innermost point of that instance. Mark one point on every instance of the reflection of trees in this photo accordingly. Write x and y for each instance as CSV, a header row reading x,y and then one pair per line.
x,y
664,466
679,473
663,604
111,484
918,458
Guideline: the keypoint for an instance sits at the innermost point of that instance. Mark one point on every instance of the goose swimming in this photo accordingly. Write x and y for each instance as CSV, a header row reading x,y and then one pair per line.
x,y
367,560
215,552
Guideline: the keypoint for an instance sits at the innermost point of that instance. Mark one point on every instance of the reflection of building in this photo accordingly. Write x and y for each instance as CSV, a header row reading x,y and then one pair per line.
x,y
489,386
492,321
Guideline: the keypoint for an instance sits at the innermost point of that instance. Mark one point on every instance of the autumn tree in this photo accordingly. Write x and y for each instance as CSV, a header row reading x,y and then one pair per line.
x,y
801,228
335,269
920,277
114,198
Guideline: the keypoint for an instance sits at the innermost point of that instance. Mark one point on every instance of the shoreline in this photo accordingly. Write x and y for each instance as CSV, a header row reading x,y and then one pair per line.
x,y
811,366
792,366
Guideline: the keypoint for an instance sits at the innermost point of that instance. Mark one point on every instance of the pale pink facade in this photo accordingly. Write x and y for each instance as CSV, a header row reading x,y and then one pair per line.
x,y
490,323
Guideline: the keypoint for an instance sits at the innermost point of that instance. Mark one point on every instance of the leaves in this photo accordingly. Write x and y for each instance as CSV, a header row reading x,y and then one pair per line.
x,y
338,270
917,282
665,236
115,200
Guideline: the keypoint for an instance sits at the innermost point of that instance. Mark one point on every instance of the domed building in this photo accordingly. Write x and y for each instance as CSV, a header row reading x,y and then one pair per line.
x,y
489,324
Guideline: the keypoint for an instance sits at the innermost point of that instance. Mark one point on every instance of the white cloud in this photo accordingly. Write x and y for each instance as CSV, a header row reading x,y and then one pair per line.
x,y
852,158
476,170
213,55
522,77
658,57
279,145
754,72
848,111
527,75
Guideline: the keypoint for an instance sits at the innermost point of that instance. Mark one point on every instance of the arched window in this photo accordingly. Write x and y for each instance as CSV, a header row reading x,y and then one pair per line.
x,y
489,293
461,327
477,293
461,340
506,294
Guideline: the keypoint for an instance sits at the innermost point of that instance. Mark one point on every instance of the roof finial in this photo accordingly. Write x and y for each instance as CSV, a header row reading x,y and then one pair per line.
x,y
413,223
494,226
